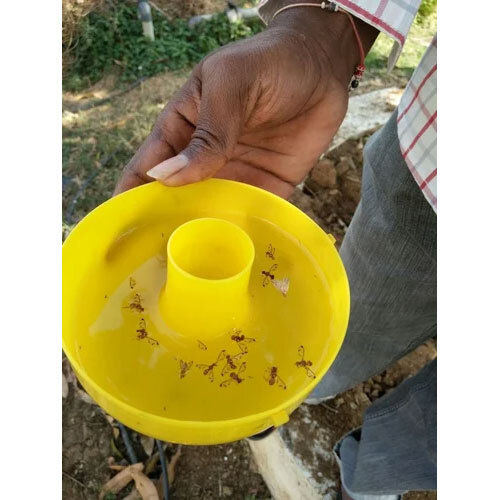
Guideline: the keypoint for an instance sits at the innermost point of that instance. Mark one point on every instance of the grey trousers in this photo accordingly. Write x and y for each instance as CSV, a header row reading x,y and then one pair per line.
x,y
389,253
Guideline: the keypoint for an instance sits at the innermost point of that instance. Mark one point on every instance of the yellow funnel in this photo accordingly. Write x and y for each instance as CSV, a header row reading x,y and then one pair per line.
x,y
209,265
201,314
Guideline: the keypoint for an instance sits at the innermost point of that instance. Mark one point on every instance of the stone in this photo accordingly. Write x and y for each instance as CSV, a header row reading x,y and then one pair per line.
x,y
338,402
324,174
366,112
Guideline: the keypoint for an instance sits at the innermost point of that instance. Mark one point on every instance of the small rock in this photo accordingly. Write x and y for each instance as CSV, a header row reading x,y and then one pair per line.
x,y
377,387
354,406
324,174
377,378
343,165
225,459
389,382
375,393
339,402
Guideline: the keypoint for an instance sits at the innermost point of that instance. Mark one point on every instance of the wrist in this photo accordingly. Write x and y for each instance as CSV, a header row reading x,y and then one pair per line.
x,y
331,34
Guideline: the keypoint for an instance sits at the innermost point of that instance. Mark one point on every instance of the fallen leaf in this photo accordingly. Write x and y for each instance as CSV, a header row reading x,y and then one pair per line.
x,y
118,482
172,463
144,485
65,387
133,495
151,463
117,467
148,443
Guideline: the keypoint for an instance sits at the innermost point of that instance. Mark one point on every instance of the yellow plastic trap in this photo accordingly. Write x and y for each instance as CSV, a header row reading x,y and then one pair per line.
x,y
248,318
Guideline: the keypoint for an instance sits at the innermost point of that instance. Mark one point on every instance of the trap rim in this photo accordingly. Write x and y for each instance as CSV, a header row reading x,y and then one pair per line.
x,y
278,414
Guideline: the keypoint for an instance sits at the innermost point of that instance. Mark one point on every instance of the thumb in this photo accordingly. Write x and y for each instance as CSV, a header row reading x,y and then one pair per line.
x,y
212,142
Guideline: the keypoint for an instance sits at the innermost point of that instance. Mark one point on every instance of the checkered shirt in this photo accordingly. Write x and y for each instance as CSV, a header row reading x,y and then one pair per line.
x,y
417,110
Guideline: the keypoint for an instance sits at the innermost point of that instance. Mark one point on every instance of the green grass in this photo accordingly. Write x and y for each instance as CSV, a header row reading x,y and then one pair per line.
x,y
114,39
413,50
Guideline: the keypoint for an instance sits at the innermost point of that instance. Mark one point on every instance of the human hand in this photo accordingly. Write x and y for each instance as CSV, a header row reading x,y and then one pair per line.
x,y
259,111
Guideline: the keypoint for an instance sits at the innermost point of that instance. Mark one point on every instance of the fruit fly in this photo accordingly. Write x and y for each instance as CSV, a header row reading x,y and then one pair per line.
x,y
268,275
184,367
132,282
303,363
143,334
234,377
201,345
242,341
270,251
135,304
209,369
271,377
230,362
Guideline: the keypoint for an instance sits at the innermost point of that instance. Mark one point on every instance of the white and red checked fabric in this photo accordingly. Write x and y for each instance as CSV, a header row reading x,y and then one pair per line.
x,y
417,111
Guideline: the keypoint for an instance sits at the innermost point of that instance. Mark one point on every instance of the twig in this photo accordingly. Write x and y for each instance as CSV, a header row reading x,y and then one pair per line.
x,y
81,189
329,408
160,10
73,479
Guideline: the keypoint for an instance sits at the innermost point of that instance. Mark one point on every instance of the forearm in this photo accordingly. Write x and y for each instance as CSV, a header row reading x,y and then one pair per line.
x,y
331,32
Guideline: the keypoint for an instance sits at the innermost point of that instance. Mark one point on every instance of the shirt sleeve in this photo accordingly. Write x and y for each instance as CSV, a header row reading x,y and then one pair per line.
x,y
393,17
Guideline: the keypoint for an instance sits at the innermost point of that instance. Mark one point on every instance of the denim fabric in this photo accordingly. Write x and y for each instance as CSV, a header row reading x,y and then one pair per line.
x,y
395,450
389,253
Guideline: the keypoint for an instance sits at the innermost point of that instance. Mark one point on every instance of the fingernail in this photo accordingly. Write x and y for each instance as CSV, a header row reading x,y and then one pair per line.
x,y
168,167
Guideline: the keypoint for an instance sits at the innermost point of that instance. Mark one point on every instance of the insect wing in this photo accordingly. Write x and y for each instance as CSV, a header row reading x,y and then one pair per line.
x,y
301,352
242,368
220,357
280,382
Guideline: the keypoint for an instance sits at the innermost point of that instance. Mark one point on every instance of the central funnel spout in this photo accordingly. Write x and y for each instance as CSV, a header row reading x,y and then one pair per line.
x,y
208,270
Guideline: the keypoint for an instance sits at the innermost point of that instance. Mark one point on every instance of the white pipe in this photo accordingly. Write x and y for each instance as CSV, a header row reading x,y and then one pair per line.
x,y
144,13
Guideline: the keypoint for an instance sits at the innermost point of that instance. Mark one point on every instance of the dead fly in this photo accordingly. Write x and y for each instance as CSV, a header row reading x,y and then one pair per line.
x,y
143,334
268,275
234,377
132,282
135,304
209,369
242,341
201,345
303,363
271,377
270,251
282,285
230,362
184,367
